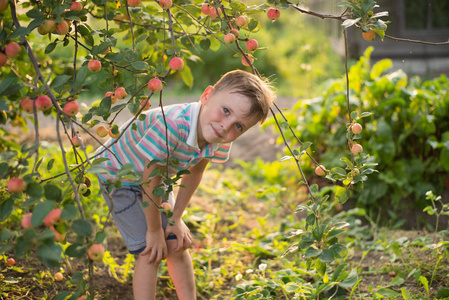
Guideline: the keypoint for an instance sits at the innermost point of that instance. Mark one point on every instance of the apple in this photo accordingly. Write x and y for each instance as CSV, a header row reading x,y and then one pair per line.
x,y
205,9
165,4
251,45
59,276
94,65
4,5
47,27
155,85
43,103
12,50
3,59
113,97
53,217
102,131
176,64
245,61
273,14
82,188
320,170
62,27
10,262
87,181
213,12
235,32
27,104
369,35
356,149
16,185
112,134
96,252
120,93
134,3
166,205
76,6
71,108
356,128
83,297
26,221
229,38
242,21
146,103
59,237
76,141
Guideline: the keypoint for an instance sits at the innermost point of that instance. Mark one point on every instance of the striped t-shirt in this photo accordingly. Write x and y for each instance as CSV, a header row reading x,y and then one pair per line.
x,y
147,138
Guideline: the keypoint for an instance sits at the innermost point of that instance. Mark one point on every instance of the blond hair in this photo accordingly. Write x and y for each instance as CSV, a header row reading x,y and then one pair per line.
x,y
258,90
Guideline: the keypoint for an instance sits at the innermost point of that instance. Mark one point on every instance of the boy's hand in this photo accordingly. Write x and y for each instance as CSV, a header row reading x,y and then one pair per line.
x,y
156,248
182,233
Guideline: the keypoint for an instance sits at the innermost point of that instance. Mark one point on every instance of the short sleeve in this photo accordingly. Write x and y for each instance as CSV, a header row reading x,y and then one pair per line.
x,y
157,135
221,155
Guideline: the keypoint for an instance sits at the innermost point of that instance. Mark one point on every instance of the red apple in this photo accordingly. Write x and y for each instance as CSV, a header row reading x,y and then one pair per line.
x,y
102,131
59,237
235,32
213,12
165,4
134,3
43,103
27,104
53,217
113,97
146,103
245,61
76,6
242,21
113,135
176,64
369,35
71,108
120,93
96,252
16,185
251,45
273,14
356,149
4,5
229,38
26,221
3,59
205,9
320,170
76,141
62,27
155,85
12,50
10,262
356,128
94,65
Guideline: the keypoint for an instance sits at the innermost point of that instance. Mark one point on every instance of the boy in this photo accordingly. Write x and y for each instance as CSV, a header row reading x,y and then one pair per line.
x,y
194,133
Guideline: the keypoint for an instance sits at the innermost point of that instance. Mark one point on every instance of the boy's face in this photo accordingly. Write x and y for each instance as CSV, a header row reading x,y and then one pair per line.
x,y
223,117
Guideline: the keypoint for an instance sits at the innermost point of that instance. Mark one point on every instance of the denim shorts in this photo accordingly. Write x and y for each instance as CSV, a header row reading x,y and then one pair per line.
x,y
129,216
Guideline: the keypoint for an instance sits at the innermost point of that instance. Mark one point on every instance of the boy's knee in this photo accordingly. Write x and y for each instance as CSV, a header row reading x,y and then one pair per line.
x,y
171,247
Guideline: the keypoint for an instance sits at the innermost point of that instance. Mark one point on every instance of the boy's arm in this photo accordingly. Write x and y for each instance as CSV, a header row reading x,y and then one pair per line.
x,y
155,240
190,183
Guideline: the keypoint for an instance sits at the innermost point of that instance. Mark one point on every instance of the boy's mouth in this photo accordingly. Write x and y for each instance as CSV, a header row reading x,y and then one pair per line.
x,y
217,133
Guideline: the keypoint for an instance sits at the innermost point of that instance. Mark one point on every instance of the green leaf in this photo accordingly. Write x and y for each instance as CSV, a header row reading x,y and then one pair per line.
x,y
327,256
312,252
97,169
81,76
350,22
291,286
443,293
6,208
21,31
140,65
69,212
50,164
50,47
158,192
99,160
406,294
105,106
100,236
387,292
350,280
82,228
305,146
50,254
41,211
76,250
60,80
35,190
320,267
52,192
114,57
62,295
186,75
205,44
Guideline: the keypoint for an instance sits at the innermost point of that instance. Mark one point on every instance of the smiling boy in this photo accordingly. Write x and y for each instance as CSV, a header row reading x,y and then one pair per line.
x,y
190,135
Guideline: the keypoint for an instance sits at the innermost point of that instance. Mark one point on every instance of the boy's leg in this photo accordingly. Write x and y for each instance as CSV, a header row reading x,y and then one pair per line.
x,y
180,268
144,279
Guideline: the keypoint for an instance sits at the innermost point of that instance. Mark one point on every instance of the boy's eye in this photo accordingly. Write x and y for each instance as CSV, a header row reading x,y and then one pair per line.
x,y
239,126
225,110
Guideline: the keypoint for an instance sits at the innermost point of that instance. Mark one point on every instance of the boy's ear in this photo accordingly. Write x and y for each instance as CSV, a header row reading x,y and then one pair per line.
x,y
206,94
